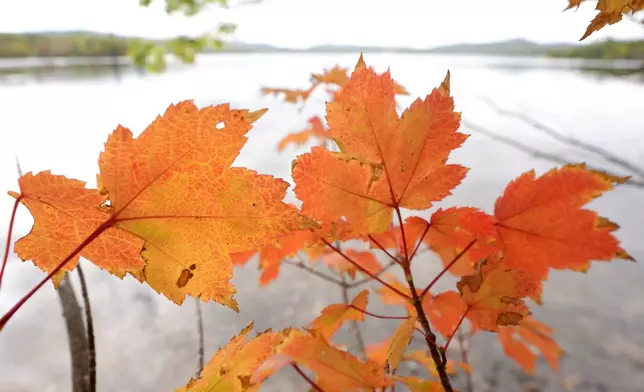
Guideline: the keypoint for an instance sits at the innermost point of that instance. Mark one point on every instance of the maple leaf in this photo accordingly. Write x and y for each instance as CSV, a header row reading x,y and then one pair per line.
x,y
415,228
173,187
338,76
333,316
453,229
316,129
541,223
336,370
390,297
516,343
65,214
378,352
610,12
385,162
290,95
271,256
445,311
231,368
416,384
423,358
494,295
399,342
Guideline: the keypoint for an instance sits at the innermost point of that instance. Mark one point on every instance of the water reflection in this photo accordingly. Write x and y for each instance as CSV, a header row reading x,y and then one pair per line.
x,y
17,71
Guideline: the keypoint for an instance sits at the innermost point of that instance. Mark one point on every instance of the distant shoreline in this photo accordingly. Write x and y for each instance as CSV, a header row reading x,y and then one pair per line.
x,y
89,44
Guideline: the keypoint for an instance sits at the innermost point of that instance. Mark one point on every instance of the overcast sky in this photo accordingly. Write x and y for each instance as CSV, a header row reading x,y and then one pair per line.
x,y
302,23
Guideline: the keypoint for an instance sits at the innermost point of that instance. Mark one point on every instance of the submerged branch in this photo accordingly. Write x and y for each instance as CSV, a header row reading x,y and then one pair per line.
x,y
536,153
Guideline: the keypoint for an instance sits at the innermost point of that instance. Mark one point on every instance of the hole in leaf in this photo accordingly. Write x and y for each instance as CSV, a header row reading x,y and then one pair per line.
x,y
184,278
220,125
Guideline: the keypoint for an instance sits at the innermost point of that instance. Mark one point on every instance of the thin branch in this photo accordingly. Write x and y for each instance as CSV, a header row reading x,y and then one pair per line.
x,y
354,324
377,315
365,271
456,328
5,259
91,346
426,339
76,335
437,354
447,267
382,248
369,279
7,316
200,348
404,237
308,269
307,378
464,347
570,140
420,240
536,153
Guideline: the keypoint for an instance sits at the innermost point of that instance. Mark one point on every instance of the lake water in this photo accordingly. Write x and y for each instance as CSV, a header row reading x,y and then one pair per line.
x,y
59,121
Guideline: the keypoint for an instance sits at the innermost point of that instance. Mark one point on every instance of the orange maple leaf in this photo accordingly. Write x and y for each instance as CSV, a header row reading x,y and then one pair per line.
x,y
316,129
386,161
453,229
445,311
610,12
65,214
336,370
232,367
542,225
290,95
271,256
517,342
415,229
172,189
494,295
423,358
416,384
173,186
378,352
390,297
399,342
339,77
333,316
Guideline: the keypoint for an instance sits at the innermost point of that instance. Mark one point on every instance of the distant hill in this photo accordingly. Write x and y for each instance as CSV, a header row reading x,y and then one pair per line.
x,y
62,44
87,43
246,47
609,49
515,47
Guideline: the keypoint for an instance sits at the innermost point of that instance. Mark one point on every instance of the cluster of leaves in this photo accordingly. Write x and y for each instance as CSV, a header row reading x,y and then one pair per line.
x,y
151,54
172,212
610,12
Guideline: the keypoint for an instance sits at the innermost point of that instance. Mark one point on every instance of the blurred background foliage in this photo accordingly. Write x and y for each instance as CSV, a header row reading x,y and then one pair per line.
x,y
151,54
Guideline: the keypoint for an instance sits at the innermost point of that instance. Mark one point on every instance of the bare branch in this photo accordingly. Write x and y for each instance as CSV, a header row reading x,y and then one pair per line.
x,y
91,346
438,355
369,278
76,335
536,153
200,349
302,266
567,139
354,324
